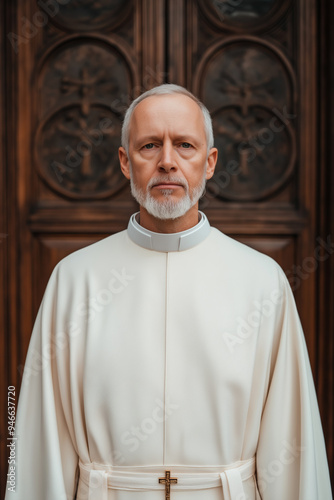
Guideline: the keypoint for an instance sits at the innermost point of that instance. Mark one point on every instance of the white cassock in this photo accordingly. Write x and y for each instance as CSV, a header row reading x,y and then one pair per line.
x,y
169,352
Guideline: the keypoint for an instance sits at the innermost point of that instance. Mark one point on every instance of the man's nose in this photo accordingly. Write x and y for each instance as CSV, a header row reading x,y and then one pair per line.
x,y
167,158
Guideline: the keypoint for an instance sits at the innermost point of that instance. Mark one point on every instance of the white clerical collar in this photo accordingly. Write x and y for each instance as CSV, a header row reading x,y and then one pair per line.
x,y
168,242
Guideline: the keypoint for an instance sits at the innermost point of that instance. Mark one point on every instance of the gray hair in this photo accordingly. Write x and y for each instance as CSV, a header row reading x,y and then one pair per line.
x,y
166,89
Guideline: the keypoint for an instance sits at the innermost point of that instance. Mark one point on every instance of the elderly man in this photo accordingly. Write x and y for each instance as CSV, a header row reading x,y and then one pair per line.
x,y
168,360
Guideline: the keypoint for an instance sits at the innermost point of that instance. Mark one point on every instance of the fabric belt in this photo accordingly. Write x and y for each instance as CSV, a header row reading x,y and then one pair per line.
x,y
100,478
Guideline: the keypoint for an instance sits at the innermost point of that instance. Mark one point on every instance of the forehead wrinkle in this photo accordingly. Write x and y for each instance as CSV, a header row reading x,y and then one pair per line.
x,y
175,111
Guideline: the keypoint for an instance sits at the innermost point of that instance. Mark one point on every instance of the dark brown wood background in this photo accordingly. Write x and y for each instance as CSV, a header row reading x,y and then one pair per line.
x,y
68,70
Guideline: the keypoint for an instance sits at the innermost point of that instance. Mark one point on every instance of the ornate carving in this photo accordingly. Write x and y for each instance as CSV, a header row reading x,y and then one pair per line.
x,y
85,69
243,14
245,71
245,11
86,15
82,86
256,152
249,92
77,154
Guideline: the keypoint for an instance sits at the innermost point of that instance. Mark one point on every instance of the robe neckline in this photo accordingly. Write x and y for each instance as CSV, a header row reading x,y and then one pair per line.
x,y
168,242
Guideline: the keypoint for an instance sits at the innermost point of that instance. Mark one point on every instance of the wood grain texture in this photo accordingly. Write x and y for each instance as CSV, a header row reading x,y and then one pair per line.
x,y
4,339
325,182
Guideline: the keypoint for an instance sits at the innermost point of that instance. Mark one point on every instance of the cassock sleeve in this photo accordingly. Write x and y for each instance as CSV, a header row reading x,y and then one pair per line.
x,y
291,454
46,460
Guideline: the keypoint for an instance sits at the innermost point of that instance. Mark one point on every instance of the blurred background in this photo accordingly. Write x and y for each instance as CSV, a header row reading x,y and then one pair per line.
x,y
69,69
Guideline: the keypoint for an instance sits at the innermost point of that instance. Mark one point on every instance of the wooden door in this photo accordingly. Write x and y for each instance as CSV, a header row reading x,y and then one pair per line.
x,y
68,71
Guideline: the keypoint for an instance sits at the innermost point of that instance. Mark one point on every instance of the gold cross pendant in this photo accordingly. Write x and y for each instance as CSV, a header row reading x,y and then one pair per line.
x,y
167,481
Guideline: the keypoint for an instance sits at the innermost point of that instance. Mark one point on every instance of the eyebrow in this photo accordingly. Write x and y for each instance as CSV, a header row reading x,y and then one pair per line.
x,y
147,139
182,138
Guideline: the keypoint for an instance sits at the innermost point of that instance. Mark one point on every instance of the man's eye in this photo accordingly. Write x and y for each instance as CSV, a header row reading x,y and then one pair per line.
x,y
149,146
186,145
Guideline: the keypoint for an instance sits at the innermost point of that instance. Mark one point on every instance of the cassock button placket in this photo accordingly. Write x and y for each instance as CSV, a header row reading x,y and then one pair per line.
x,y
167,481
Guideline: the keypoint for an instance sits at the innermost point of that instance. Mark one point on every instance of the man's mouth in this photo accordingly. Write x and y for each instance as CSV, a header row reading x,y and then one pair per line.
x,y
167,185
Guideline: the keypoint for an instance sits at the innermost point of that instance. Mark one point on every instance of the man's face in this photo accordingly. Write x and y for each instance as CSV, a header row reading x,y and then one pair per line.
x,y
168,161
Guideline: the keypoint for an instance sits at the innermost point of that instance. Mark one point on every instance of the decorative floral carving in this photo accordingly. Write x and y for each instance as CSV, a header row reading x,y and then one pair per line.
x,y
77,153
249,92
79,134
86,15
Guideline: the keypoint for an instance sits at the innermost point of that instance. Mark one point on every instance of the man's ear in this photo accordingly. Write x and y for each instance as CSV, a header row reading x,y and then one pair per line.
x,y
211,162
124,161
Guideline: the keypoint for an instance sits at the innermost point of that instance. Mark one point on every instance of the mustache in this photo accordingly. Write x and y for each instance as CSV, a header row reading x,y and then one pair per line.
x,y
167,178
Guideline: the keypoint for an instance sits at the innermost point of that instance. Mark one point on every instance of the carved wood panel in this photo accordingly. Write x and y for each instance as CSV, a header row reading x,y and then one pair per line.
x,y
83,67
77,139
86,15
248,85
241,58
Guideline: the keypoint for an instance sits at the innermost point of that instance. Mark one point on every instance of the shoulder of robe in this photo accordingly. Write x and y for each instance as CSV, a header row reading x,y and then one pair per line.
x,y
81,267
251,264
93,255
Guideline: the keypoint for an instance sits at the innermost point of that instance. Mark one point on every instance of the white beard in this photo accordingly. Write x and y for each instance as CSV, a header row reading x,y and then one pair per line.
x,y
167,209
